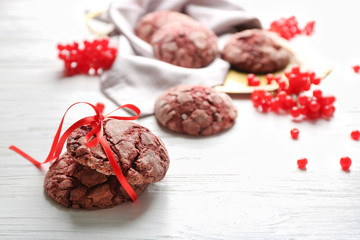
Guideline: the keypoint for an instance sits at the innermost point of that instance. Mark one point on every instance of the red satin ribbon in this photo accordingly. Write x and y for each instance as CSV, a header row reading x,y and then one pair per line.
x,y
97,133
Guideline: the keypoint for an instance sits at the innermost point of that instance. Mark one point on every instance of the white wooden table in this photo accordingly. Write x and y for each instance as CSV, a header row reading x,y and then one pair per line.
x,y
241,184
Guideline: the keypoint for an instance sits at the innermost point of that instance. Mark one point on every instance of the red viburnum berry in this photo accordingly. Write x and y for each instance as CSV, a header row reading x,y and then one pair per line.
x,y
345,163
288,27
355,135
302,163
356,68
92,58
294,133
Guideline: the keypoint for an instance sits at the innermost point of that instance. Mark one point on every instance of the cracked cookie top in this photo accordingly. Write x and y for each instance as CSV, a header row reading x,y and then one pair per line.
x,y
140,154
195,110
151,22
255,51
74,185
185,44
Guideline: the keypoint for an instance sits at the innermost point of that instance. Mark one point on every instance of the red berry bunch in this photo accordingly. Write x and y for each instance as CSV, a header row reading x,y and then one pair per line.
x,y
264,101
91,58
288,99
356,68
288,27
314,107
298,81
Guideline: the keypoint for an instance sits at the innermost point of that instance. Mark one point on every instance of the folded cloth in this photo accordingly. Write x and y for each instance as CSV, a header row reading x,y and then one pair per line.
x,y
138,77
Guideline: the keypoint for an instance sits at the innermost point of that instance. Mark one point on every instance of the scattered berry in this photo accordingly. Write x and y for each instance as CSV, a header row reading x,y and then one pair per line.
x,y
345,163
309,28
302,163
355,135
253,80
269,78
92,58
356,68
288,28
294,133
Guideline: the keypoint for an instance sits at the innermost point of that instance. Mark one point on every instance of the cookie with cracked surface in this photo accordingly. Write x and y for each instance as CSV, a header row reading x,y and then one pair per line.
x,y
184,44
151,22
142,156
195,110
74,185
255,51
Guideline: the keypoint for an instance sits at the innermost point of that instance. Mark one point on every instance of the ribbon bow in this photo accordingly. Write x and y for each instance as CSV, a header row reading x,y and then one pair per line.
x,y
96,135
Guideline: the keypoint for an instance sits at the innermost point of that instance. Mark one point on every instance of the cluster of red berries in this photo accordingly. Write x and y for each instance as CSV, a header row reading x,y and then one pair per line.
x,y
288,27
91,58
356,68
345,163
265,101
288,99
296,82
299,81
310,107
315,106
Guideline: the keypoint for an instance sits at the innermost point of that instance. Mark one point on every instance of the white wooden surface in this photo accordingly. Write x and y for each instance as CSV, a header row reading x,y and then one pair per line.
x,y
241,184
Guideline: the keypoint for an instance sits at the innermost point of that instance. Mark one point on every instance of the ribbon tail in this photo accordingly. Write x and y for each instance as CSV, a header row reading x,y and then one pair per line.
x,y
26,156
56,149
115,166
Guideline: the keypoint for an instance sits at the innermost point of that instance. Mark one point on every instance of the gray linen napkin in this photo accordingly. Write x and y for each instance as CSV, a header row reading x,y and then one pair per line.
x,y
137,77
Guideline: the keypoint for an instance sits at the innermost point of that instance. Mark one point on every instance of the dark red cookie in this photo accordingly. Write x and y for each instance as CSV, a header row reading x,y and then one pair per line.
x,y
255,51
185,44
195,110
74,185
142,156
151,22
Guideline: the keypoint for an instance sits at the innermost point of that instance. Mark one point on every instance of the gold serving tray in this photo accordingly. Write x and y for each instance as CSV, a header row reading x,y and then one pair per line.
x,y
236,81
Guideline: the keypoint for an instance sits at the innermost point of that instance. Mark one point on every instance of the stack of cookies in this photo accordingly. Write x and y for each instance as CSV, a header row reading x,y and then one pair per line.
x,y
83,177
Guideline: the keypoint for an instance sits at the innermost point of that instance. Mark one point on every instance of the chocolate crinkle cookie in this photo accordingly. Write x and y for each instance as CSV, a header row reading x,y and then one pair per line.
x,y
74,185
141,155
195,110
185,44
255,51
151,22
